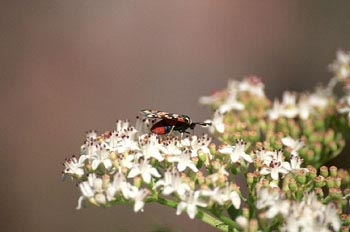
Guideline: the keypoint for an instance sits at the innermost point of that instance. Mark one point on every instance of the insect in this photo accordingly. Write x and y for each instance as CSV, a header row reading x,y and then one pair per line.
x,y
171,122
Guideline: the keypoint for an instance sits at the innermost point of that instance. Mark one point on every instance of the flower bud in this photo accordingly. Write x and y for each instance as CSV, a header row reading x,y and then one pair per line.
x,y
245,212
212,148
250,178
253,225
112,155
301,177
333,171
310,155
319,181
137,181
292,184
202,156
329,136
330,182
116,163
105,180
100,199
337,181
324,171
312,171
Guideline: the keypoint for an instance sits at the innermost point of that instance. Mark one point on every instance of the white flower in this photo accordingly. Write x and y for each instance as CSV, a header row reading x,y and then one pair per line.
x,y
151,148
276,166
253,85
189,202
145,169
89,148
101,155
139,199
236,152
172,183
219,175
341,66
295,163
184,161
295,145
265,156
223,194
305,109
119,184
75,167
318,99
267,197
276,110
124,142
143,125
287,108
231,102
122,125
89,189
211,100
217,124
242,222
311,215
171,146
91,135
345,103
195,144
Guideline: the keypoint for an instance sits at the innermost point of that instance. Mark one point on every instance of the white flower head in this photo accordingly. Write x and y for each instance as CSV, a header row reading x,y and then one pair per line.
x,y
183,161
288,108
151,148
171,146
265,156
172,183
231,102
276,166
272,201
122,125
221,195
311,215
90,189
101,156
341,66
217,124
215,98
253,85
189,202
74,166
140,199
295,145
194,144
236,152
145,169
119,184
295,163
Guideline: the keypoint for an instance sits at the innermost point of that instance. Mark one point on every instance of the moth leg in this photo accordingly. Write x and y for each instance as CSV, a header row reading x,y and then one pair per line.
x,y
171,130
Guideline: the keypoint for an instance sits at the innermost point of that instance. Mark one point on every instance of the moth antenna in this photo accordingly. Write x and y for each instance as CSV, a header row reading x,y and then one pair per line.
x,y
203,123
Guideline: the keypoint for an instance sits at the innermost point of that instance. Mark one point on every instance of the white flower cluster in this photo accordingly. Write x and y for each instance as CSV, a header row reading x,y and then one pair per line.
x,y
273,162
129,164
341,66
309,214
227,99
291,108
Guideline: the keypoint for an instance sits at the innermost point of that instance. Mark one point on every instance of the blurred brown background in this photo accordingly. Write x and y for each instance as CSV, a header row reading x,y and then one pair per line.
x,y
69,66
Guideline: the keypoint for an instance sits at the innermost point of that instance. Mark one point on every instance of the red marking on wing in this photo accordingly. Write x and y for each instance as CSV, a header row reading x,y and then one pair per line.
x,y
158,130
